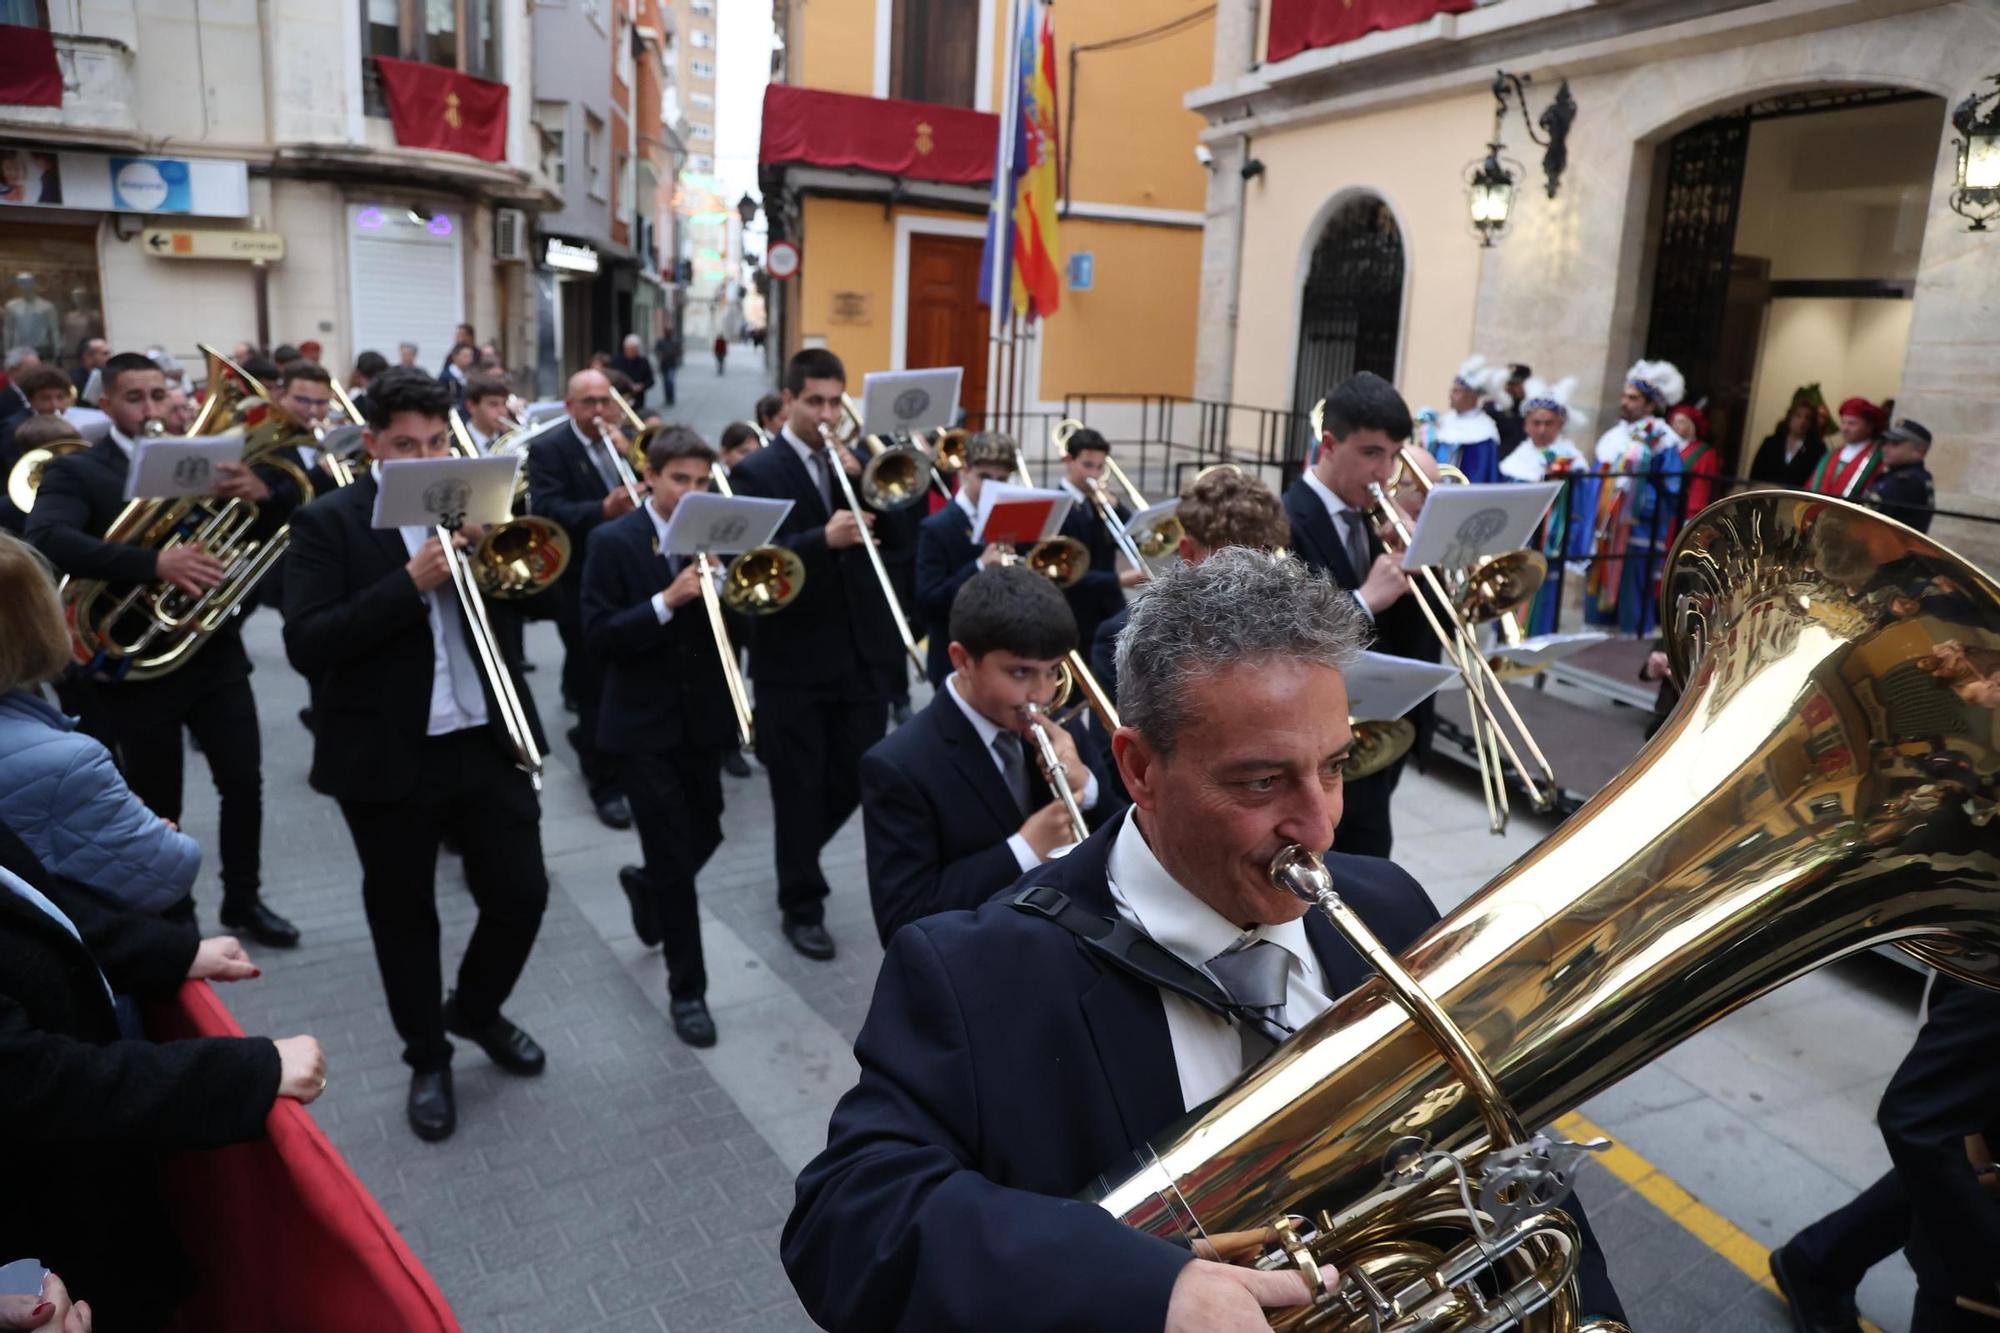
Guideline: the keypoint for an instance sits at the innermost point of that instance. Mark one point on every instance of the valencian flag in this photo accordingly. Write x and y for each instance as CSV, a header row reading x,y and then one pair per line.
x,y
1024,189
1303,25
434,107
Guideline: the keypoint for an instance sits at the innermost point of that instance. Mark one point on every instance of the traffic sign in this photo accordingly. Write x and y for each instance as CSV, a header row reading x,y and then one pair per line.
x,y
782,259
186,243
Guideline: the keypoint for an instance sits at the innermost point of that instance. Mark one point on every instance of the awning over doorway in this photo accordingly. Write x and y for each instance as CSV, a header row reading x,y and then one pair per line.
x,y
913,140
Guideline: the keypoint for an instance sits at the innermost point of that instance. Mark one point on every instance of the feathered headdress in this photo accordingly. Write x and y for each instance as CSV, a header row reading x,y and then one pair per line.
x,y
1536,395
1489,382
1660,381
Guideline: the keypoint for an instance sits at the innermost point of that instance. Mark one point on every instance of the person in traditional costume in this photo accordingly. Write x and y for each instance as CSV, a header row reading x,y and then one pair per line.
x,y
1698,458
1546,454
1635,512
1467,438
1846,471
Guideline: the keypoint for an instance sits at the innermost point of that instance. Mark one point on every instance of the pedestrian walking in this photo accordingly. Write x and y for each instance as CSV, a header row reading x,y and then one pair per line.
x,y
721,352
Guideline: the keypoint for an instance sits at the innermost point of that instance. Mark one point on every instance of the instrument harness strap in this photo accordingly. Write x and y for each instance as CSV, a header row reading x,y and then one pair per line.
x,y
1129,949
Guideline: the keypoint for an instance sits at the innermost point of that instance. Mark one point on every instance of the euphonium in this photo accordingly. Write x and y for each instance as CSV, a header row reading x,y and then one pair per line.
x,y
1827,784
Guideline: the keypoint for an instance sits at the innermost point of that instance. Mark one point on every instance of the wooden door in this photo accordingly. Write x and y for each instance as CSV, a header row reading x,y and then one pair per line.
x,y
946,320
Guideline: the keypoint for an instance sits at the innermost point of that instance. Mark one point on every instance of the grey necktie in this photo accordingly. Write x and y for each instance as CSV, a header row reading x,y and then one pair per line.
x,y
600,458
1014,766
1357,541
1254,975
465,683
817,462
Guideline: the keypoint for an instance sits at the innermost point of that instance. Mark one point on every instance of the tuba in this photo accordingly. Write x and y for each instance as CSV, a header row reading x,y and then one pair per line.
x,y
1828,784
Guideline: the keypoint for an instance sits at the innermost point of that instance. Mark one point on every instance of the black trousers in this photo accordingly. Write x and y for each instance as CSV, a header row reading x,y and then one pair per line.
x,y
811,742
467,788
1852,1239
583,681
142,722
677,807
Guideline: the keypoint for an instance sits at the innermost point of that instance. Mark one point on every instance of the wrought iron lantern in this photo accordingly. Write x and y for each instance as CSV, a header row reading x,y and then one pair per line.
x,y
746,209
1977,196
1491,183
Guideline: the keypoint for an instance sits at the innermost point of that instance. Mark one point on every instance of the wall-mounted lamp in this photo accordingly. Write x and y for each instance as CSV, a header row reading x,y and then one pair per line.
x,y
1253,168
1491,182
746,209
1977,196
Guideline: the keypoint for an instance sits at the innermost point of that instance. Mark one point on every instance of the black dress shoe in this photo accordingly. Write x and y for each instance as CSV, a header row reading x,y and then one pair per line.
x,y
734,764
809,938
691,1021
1816,1304
613,811
639,895
261,924
433,1110
505,1045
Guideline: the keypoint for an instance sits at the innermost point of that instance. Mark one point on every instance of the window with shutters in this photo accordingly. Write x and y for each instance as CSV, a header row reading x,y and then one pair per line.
x,y
701,69
457,34
594,150
934,51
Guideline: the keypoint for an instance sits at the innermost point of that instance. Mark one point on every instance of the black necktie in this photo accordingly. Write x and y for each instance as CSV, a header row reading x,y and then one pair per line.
x,y
1014,767
1357,541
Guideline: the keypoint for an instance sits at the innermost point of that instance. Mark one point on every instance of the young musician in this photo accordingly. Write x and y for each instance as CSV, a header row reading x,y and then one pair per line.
x,y
738,438
1366,423
412,745
819,667
665,719
573,480
955,806
1101,591
946,557
210,697
486,410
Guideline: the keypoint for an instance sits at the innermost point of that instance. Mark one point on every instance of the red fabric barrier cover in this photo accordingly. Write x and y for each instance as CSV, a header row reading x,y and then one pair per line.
x,y
29,75
283,1233
915,140
1303,25
434,107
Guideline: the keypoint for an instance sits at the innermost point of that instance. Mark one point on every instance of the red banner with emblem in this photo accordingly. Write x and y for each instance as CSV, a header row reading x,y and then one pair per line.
x,y
914,140
29,75
1303,25
434,107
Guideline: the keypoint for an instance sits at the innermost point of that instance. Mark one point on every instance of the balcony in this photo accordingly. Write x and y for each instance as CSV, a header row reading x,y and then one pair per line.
x,y
98,89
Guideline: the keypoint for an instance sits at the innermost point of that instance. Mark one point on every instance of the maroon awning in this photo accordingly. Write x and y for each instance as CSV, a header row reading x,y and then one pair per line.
x,y
914,140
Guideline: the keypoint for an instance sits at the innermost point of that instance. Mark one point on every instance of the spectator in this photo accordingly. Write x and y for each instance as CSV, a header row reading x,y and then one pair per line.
x,y
1698,459
738,438
770,414
366,367
46,390
242,352
457,370
721,352
59,789
310,350
667,351
91,354
1791,452
284,354
169,365
489,358
13,402
180,411
600,360
635,367
406,354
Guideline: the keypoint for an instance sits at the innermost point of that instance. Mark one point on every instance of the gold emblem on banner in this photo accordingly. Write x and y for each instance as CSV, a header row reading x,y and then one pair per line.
x,y
924,141
451,116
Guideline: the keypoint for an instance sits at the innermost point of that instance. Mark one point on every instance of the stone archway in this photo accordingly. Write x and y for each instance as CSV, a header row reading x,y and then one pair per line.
x,y
1351,301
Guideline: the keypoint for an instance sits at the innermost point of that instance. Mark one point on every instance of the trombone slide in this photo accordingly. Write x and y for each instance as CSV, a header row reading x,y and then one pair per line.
x,y
746,727
1120,535
520,732
1055,770
868,544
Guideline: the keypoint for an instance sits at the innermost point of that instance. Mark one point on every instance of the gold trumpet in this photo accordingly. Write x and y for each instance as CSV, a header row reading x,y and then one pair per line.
x,y
1826,786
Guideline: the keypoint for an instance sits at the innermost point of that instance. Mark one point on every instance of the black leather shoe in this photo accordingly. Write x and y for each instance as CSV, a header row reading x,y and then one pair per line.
x,y
433,1109
810,938
1816,1305
261,924
613,811
638,894
735,765
505,1045
691,1021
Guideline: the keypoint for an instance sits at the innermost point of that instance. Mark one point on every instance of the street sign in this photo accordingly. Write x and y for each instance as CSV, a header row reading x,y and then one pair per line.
x,y
1082,270
782,259
181,243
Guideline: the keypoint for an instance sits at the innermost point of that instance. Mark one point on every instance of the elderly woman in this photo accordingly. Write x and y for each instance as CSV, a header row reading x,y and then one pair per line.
x,y
59,789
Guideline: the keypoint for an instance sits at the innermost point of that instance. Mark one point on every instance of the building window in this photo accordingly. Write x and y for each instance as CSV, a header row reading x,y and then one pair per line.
x,y
624,207
934,51
457,34
701,164
35,13
552,119
702,100
593,151
701,69
700,132
622,44
702,8
701,39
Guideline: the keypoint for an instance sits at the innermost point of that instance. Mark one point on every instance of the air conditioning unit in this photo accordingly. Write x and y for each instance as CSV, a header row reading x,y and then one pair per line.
x,y
510,236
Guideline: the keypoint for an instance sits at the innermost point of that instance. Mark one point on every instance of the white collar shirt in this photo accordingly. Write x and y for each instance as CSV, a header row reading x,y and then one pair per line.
x,y
988,732
126,444
661,610
1208,1049
599,455
816,463
1335,507
448,713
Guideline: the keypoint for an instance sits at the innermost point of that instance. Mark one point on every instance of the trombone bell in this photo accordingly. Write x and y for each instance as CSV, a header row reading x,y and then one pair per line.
x,y
520,557
1061,560
1502,583
763,580
895,478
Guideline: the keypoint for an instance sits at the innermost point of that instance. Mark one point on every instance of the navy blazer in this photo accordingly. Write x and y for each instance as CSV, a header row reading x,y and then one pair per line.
x,y
1098,594
946,558
358,629
663,683
838,631
1400,629
563,484
936,815
1004,1068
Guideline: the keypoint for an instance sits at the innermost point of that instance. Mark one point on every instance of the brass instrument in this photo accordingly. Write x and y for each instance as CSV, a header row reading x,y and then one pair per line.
x,y
1063,561
465,581
521,557
834,465
1827,785
760,581
24,479
1075,679
896,474
1054,769
149,629
1377,745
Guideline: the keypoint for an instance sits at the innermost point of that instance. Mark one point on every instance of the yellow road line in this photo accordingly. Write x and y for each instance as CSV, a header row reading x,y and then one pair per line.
x,y
1691,1214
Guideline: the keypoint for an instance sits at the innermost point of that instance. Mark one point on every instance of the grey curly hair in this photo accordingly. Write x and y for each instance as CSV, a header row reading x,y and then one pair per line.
x,y
1239,605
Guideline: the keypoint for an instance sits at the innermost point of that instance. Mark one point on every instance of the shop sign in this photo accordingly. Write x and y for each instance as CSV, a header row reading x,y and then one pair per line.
x,y
108,182
567,255
182,243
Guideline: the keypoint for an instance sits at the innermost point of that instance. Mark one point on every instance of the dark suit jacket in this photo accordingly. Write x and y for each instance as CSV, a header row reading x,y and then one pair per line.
x,y
563,484
356,627
936,815
838,632
1098,593
946,558
1769,465
663,684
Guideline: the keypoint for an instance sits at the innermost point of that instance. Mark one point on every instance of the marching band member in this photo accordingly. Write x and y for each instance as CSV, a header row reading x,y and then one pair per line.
x,y
1101,591
412,745
665,719
1003,1067
143,721
946,557
572,479
738,438
818,668
1365,425
955,806
486,410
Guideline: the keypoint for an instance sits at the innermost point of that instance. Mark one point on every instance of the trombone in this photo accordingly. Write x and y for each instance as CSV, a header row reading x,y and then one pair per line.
x,y
1054,769
1157,538
886,496
896,474
760,581
472,607
521,557
1063,561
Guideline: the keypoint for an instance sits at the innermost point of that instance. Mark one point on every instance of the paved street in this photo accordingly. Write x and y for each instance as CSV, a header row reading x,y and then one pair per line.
x,y
640,1185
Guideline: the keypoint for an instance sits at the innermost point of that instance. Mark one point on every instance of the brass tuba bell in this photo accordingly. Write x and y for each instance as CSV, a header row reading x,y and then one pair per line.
x,y
1828,784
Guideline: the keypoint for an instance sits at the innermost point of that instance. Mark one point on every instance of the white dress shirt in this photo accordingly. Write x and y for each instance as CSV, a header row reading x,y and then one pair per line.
x,y
1208,1049
126,444
660,608
1024,855
816,462
1335,507
449,713
1850,452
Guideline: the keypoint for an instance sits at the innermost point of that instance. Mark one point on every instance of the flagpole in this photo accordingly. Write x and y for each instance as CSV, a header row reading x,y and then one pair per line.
x,y
1002,205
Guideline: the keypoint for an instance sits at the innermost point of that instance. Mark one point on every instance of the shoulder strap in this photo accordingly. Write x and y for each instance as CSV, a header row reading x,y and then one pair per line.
x,y
1126,948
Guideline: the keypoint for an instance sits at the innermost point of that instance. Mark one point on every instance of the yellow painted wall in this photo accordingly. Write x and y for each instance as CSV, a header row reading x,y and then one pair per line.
x,y
834,45
1413,157
1134,331
847,246
1133,141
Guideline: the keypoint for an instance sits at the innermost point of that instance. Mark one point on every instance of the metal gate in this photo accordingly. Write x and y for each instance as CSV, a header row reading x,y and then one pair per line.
x,y
1701,194
1351,317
